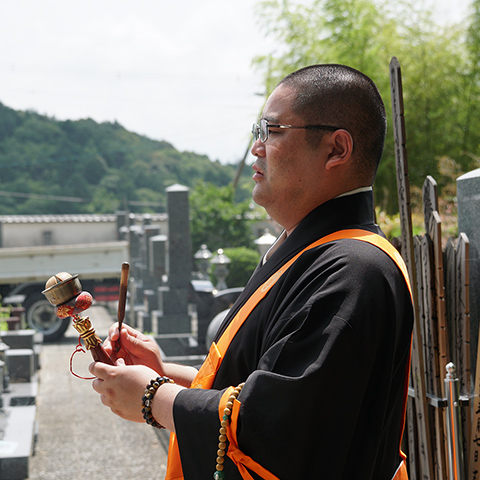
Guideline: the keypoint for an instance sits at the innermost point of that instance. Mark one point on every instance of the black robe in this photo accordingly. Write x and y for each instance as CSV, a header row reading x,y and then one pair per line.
x,y
324,357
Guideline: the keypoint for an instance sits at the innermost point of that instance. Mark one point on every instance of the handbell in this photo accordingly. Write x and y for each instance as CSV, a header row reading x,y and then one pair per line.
x,y
61,288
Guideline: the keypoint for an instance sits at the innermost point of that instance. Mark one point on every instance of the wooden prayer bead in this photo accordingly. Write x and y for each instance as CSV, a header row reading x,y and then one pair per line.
x,y
222,446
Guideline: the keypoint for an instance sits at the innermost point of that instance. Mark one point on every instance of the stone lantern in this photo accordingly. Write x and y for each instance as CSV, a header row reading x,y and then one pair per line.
x,y
220,269
202,259
264,242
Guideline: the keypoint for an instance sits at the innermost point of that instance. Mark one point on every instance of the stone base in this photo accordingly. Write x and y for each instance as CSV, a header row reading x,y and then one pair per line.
x,y
21,394
18,441
172,324
21,338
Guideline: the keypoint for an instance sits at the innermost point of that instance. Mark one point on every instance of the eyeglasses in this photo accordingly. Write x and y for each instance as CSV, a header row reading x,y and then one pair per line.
x,y
260,130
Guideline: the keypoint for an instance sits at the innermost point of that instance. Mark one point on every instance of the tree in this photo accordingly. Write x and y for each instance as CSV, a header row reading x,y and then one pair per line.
x,y
243,263
216,221
104,164
472,84
441,82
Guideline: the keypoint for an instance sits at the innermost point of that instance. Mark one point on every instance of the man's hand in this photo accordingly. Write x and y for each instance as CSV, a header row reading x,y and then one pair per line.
x,y
137,348
121,388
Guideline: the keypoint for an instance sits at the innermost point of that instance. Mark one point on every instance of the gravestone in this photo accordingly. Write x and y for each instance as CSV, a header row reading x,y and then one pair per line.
x,y
122,224
468,194
150,231
158,258
158,267
134,235
179,243
175,300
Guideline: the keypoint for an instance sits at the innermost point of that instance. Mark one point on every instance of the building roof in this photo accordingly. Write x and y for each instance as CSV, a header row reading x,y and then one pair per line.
x,y
79,218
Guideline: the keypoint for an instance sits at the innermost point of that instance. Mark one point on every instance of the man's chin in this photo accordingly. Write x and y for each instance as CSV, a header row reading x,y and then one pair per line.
x,y
257,195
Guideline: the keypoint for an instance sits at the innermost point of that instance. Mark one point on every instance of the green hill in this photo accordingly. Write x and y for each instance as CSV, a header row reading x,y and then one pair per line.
x,y
59,167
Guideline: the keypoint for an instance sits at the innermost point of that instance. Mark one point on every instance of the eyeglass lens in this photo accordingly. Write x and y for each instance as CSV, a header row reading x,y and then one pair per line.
x,y
260,130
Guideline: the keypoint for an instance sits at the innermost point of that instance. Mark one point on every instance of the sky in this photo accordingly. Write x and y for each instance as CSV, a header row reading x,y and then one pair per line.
x,y
177,70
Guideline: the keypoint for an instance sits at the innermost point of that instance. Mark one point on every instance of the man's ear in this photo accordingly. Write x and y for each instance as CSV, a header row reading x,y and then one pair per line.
x,y
341,149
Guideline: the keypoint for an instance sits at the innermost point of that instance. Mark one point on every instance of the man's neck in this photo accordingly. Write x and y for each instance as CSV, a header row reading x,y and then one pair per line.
x,y
345,194
286,232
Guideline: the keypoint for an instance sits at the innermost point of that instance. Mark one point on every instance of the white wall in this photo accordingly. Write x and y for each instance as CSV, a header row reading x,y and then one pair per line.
x,y
35,231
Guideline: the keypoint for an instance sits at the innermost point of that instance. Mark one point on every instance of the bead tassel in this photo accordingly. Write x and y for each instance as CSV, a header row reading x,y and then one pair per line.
x,y
222,438
147,398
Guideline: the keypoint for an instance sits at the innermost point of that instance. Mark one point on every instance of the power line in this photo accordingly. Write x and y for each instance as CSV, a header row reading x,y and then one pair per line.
x,y
42,197
73,199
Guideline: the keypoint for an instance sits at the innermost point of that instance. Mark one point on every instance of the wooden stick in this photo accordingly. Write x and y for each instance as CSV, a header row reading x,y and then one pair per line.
x,y
425,462
122,300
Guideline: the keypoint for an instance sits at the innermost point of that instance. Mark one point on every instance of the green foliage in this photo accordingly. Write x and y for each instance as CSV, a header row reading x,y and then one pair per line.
x,y
390,224
218,222
4,314
440,71
100,167
244,261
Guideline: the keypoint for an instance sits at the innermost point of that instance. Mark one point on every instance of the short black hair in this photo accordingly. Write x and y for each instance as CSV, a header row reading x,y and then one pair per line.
x,y
343,97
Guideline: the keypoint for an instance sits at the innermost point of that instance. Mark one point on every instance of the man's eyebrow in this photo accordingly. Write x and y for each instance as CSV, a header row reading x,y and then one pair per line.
x,y
270,119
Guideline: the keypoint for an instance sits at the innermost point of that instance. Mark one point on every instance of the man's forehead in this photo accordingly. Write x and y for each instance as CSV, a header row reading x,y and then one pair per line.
x,y
279,104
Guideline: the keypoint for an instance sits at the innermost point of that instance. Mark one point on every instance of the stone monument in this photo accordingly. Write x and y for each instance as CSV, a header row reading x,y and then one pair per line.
x,y
468,194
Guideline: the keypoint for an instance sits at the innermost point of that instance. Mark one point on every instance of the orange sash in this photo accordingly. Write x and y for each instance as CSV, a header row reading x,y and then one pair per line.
x,y
401,473
206,375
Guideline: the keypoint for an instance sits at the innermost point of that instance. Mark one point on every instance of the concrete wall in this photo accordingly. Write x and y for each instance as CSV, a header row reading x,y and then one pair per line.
x,y
40,230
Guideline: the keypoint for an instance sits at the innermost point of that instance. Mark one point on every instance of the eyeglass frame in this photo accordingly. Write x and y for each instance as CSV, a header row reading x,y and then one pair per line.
x,y
257,129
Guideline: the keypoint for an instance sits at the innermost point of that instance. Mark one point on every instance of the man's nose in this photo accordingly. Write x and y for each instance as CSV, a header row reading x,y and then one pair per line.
x,y
258,148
